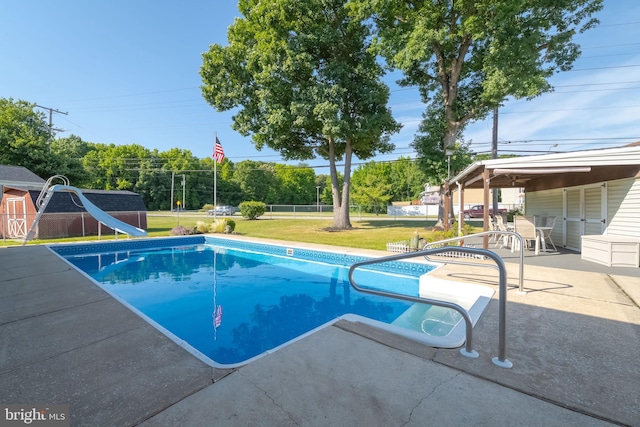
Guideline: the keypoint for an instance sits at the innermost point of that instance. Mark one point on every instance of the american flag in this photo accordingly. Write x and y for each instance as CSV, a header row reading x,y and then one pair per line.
x,y
218,153
217,318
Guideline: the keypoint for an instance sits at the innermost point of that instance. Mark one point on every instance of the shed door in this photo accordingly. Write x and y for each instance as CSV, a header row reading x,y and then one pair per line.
x,y
584,213
16,217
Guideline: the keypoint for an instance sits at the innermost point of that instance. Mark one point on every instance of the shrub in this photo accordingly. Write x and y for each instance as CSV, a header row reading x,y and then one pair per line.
x,y
231,224
207,207
202,227
252,209
218,226
179,231
512,213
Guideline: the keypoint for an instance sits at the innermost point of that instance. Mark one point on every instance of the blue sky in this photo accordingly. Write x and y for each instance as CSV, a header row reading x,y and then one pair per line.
x,y
128,72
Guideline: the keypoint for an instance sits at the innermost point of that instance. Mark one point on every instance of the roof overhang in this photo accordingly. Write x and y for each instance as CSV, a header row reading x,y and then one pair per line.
x,y
539,171
562,167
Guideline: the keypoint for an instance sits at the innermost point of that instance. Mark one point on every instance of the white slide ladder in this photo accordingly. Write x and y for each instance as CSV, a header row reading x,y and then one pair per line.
x,y
41,204
47,193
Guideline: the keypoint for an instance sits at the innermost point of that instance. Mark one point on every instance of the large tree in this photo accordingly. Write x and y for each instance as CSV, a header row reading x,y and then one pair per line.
x,y
305,84
467,56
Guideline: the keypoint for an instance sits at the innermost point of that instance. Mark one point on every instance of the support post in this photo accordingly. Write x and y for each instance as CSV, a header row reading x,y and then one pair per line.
x,y
485,219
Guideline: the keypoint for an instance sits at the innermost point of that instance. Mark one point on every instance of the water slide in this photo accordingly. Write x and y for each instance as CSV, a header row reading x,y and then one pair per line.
x,y
99,214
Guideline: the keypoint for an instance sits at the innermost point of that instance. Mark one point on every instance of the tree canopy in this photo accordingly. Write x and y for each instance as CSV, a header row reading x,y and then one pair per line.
x,y
25,138
468,56
305,84
25,142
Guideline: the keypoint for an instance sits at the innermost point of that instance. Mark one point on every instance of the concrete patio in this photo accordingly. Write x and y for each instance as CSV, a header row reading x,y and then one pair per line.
x,y
573,338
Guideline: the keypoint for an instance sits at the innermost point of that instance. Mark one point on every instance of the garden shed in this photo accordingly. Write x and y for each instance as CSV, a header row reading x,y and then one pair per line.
x,y
64,215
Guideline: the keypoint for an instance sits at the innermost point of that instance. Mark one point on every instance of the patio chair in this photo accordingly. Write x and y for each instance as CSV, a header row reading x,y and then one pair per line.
x,y
501,239
526,228
547,228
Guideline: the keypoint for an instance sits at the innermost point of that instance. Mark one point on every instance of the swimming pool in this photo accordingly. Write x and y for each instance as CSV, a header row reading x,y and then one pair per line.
x,y
231,301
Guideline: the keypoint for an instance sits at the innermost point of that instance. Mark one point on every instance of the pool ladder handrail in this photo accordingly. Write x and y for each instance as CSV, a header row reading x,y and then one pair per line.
x,y
467,351
45,189
482,233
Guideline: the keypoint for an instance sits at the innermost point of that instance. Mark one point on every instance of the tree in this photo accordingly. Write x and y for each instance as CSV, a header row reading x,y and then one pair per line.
x,y
371,187
154,185
407,180
307,85
467,57
71,150
257,180
296,184
24,138
114,167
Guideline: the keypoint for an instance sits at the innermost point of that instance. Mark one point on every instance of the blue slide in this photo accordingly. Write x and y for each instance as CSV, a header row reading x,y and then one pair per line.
x,y
99,214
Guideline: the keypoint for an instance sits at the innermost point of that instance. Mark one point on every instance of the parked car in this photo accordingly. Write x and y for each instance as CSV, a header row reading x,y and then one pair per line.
x,y
221,210
477,211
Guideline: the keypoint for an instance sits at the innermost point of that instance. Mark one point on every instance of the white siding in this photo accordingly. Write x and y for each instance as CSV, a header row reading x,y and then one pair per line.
x,y
623,207
548,203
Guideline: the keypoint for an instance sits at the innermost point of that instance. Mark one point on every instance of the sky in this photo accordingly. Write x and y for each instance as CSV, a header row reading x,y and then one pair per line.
x,y
127,72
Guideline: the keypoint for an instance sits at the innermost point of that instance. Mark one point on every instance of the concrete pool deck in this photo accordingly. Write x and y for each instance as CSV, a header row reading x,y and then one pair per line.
x,y
573,338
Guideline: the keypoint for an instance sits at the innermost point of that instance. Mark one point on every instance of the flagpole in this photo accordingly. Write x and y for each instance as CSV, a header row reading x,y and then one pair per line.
x,y
215,285
215,177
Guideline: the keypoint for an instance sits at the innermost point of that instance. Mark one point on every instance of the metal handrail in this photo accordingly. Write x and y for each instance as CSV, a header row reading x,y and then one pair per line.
x,y
501,359
45,188
483,233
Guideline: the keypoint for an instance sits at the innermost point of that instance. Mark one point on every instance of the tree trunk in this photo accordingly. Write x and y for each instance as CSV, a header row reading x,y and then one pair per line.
x,y
449,142
440,223
341,219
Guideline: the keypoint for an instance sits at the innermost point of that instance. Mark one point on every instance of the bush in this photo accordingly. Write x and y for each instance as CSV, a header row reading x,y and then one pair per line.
x,y
179,231
202,227
231,224
207,207
218,226
512,213
252,210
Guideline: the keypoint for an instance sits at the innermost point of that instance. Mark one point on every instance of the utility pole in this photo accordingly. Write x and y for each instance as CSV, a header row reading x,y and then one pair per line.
x,y
184,200
51,128
173,177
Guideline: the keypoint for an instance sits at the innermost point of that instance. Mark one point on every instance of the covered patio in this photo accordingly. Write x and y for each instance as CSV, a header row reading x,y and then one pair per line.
x,y
594,192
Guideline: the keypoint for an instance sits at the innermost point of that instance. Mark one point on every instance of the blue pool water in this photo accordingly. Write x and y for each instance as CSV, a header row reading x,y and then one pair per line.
x,y
265,300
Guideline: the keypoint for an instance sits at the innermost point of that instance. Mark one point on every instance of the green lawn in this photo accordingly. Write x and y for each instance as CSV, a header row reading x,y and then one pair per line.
x,y
365,234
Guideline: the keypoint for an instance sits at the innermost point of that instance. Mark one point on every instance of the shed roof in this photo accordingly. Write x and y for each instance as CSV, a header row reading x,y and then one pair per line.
x,y
19,176
107,200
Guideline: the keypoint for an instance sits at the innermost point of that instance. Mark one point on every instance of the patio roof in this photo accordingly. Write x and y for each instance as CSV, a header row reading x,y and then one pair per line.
x,y
551,170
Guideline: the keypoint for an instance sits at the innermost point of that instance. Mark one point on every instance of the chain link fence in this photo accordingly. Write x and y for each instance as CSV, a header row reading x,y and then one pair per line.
x,y
61,225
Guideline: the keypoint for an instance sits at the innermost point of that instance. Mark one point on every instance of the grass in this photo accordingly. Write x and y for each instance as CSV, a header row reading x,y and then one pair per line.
x,y
367,233
364,234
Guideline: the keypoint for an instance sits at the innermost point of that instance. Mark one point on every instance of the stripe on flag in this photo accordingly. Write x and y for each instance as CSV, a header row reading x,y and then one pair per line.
x,y
218,153
217,320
